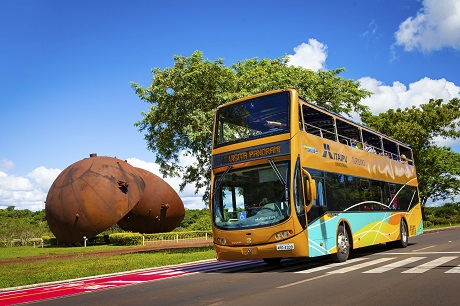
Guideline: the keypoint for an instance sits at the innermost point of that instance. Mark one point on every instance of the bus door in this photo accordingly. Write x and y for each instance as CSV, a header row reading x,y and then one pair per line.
x,y
299,195
304,193
319,204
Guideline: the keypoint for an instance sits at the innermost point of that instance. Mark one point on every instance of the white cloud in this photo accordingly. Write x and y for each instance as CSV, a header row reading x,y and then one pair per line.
x,y
372,29
44,177
188,196
387,97
14,183
430,203
311,56
398,95
447,142
6,164
436,25
21,193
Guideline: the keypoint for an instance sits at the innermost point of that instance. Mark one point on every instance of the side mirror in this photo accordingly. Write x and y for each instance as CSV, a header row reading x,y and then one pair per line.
x,y
310,190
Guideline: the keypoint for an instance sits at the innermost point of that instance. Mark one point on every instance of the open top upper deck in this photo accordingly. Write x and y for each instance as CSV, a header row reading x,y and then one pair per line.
x,y
272,113
329,125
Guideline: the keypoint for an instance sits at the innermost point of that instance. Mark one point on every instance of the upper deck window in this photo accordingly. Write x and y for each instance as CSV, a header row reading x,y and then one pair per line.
x,y
318,123
328,125
254,118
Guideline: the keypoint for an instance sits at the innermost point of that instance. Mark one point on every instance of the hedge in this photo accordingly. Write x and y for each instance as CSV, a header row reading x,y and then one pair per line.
x,y
125,239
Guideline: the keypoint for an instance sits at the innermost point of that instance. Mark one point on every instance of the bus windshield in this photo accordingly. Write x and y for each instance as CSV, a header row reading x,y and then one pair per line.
x,y
258,117
251,198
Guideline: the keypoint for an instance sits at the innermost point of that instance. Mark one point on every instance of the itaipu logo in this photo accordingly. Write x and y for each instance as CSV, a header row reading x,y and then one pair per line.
x,y
340,159
310,149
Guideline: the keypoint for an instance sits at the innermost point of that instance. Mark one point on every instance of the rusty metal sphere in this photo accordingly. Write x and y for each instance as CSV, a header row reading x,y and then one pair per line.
x,y
90,196
160,208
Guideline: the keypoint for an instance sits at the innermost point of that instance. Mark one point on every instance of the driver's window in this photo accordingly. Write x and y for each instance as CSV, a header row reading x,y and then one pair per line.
x,y
233,201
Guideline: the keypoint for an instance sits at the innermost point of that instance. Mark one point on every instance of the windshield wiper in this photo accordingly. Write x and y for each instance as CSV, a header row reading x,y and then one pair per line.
x,y
219,181
278,173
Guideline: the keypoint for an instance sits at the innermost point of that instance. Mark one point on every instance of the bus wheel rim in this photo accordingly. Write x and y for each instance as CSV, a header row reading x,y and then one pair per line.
x,y
342,243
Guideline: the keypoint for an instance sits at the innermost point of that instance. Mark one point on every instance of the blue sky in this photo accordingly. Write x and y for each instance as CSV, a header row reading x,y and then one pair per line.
x,y
66,67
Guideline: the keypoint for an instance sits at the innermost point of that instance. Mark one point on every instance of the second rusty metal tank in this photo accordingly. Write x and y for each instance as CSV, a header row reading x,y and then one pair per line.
x,y
90,196
160,208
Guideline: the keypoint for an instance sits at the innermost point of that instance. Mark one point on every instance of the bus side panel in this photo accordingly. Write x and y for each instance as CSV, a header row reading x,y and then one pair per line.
x,y
330,156
415,221
368,228
322,236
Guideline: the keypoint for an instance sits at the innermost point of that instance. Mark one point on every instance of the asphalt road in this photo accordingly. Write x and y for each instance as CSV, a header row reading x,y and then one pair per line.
x,y
427,272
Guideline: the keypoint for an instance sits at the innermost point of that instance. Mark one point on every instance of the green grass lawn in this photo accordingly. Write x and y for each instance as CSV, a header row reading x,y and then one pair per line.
x,y
55,269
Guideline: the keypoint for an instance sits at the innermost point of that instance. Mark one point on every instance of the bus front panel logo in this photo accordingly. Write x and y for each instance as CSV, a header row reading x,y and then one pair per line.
x,y
327,151
340,159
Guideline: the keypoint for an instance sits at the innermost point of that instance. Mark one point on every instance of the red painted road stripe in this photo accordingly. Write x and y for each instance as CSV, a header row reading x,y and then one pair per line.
x,y
45,292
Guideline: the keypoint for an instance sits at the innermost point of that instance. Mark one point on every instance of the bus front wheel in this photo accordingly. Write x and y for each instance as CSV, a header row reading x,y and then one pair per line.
x,y
343,245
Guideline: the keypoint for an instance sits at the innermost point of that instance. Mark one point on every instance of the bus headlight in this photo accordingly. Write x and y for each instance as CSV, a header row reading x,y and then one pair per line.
x,y
282,235
221,240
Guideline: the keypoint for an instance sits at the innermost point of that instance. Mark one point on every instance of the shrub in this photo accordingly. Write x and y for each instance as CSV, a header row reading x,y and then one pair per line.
x,y
50,240
99,240
125,239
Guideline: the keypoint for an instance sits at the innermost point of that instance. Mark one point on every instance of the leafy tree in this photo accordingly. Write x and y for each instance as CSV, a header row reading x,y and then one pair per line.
x,y
203,223
448,214
21,225
438,168
196,220
438,171
183,99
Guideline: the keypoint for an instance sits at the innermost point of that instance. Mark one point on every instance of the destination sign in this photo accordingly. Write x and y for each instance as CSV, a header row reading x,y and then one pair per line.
x,y
238,156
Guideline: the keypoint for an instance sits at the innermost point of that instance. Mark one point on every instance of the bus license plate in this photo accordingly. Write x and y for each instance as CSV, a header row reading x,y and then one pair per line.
x,y
285,247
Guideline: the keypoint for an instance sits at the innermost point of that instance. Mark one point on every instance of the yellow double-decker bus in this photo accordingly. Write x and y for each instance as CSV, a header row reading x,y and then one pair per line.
x,y
292,179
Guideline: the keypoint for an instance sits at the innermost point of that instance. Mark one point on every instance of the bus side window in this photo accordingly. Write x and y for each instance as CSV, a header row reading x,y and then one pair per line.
x,y
319,204
318,123
301,121
365,193
319,193
347,133
393,198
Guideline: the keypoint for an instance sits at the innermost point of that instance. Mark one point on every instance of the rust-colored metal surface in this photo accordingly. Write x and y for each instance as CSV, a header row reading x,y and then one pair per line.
x,y
160,208
90,196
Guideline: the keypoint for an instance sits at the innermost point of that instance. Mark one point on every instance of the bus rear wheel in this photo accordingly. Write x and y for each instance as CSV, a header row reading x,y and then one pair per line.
x,y
273,261
403,235
343,245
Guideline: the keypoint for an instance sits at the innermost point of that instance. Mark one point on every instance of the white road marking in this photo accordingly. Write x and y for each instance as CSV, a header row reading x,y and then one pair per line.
x,y
394,265
419,253
362,265
428,247
430,265
303,281
330,266
454,270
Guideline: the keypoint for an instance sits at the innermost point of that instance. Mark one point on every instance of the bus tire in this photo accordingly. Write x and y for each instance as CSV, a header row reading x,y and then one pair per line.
x,y
343,245
273,261
403,235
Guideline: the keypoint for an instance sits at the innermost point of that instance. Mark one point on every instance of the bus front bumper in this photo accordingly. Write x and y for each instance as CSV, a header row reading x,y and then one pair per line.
x,y
296,246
